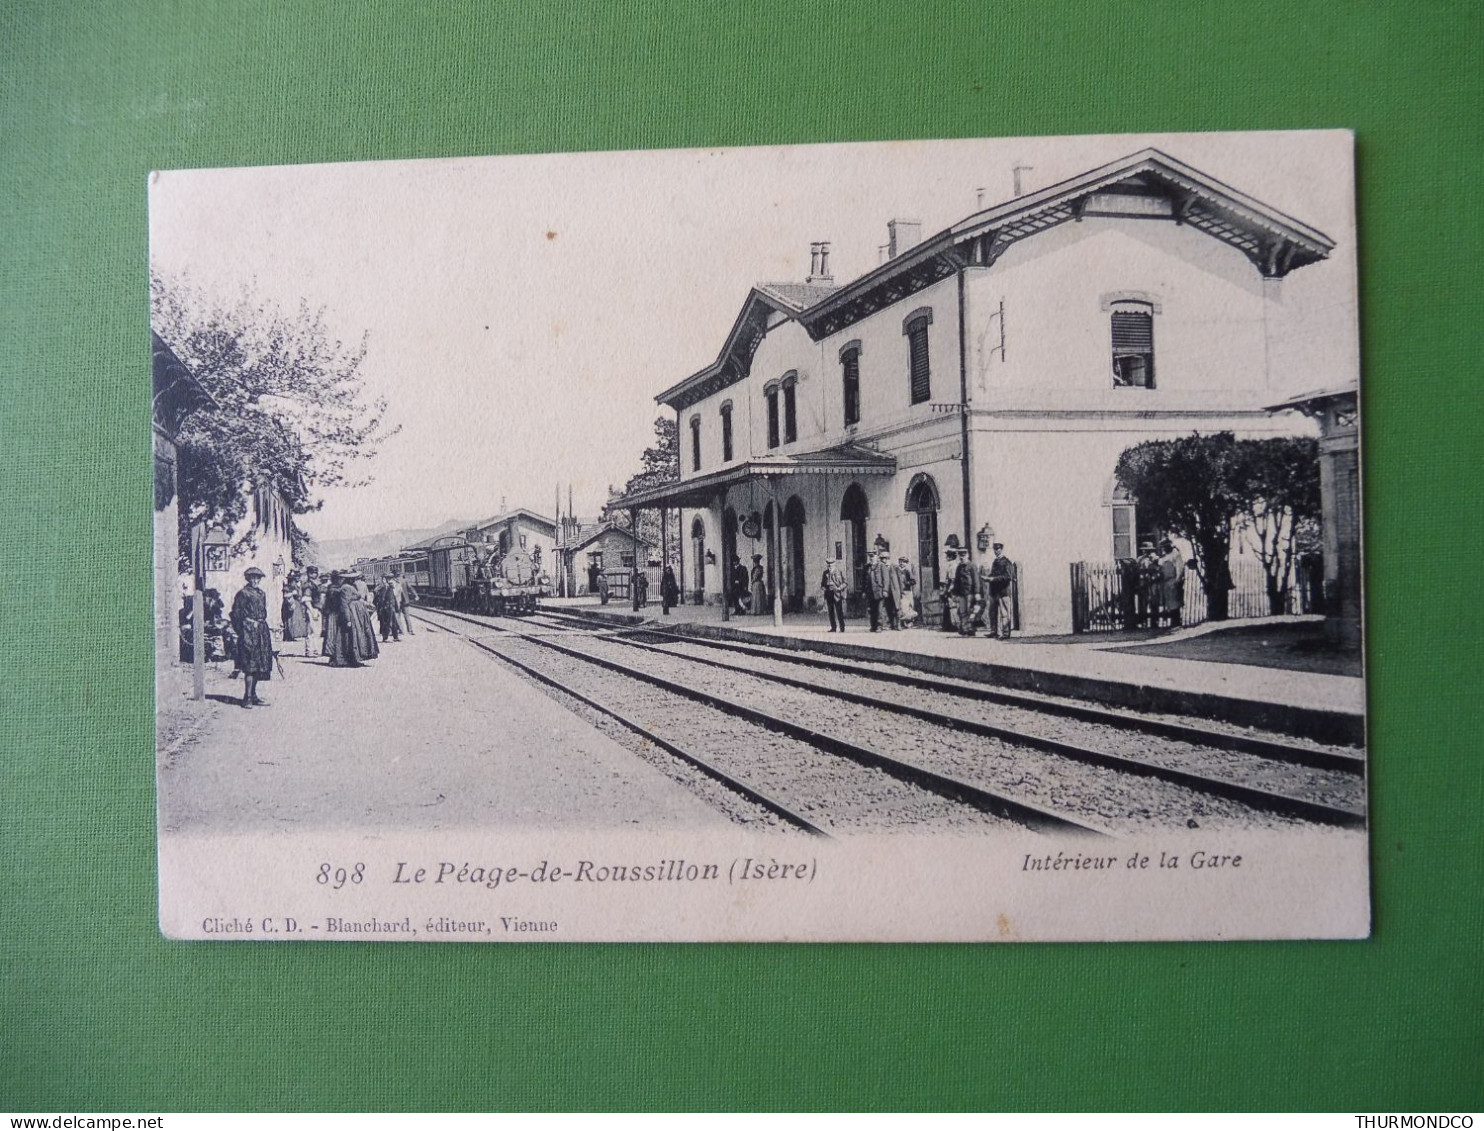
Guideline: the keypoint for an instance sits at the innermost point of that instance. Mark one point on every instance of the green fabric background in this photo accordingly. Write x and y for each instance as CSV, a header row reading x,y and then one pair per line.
x,y
101,1013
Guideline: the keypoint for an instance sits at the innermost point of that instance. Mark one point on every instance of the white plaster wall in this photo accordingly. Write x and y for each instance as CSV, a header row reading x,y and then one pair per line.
x,y
1210,335
884,377
885,360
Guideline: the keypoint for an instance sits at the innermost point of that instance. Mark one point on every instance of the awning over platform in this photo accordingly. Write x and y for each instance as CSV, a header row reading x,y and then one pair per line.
x,y
701,490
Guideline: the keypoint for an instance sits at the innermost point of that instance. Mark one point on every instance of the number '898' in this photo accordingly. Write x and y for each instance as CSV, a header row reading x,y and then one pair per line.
x,y
337,878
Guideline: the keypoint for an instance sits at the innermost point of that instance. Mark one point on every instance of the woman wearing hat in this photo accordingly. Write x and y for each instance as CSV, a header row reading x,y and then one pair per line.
x,y
759,587
254,655
355,608
295,611
336,643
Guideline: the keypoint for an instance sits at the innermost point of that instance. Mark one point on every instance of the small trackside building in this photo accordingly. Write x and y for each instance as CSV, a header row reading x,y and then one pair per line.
x,y
981,383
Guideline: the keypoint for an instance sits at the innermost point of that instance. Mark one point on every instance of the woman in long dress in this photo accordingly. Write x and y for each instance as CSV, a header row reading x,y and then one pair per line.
x,y
254,652
759,587
336,639
357,610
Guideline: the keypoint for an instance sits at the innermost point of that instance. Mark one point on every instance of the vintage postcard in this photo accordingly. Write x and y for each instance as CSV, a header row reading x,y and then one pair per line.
x,y
948,540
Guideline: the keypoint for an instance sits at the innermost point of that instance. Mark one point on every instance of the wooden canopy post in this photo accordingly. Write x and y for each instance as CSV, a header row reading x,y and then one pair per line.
x,y
775,554
664,555
634,576
726,566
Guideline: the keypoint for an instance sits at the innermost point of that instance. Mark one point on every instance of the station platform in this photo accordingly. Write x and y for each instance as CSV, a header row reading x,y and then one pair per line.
x,y
1316,705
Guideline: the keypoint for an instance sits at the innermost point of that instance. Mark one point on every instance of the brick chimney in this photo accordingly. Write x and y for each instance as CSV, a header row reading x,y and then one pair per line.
x,y
902,235
819,263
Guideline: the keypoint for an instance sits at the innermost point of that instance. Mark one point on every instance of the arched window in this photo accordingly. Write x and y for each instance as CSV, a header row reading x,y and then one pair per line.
x,y
1133,344
1128,531
726,432
915,326
850,380
695,443
790,384
923,500
770,395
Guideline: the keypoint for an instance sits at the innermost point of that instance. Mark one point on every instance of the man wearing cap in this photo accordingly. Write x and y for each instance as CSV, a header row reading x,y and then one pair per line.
x,y
254,654
1148,603
876,588
945,586
965,592
893,579
995,582
833,585
403,595
739,586
907,609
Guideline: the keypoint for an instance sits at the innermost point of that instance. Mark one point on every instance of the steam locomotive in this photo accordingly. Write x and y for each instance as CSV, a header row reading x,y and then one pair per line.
x,y
474,577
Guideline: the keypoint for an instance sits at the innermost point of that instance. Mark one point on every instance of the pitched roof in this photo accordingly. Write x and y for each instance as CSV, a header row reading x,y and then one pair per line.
x,y
797,296
518,512
604,528
1148,184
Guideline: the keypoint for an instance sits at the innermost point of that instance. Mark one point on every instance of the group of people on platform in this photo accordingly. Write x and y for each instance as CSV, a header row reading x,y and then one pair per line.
x,y
638,586
979,597
336,610
1154,586
971,597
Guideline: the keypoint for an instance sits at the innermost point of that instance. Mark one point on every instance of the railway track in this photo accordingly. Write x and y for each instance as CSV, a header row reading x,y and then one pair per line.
x,y
818,782
1036,779
1316,755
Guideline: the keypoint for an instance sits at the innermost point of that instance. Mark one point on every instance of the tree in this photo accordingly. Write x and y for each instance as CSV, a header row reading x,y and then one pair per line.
x,y
292,413
1280,478
1190,488
1202,487
659,464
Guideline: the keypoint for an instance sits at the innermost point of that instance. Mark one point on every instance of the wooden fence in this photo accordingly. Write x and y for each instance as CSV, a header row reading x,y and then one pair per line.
x,y
1107,596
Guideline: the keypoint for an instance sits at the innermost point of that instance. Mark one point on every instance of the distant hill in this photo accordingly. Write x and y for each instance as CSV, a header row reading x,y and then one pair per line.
x,y
336,552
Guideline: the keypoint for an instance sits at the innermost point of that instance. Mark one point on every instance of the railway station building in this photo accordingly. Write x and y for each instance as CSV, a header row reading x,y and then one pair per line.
x,y
980,384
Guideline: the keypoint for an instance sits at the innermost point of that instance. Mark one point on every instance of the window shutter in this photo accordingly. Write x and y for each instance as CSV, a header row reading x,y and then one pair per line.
x,y
852,387
1133,332
921,377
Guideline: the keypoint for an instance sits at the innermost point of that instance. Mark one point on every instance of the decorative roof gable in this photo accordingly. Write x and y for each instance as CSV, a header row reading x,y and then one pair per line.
x,y
1147,185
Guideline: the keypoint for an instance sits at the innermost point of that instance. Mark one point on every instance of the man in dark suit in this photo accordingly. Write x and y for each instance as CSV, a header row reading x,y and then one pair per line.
x,y
884,588
1000,577
965,592
832,583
